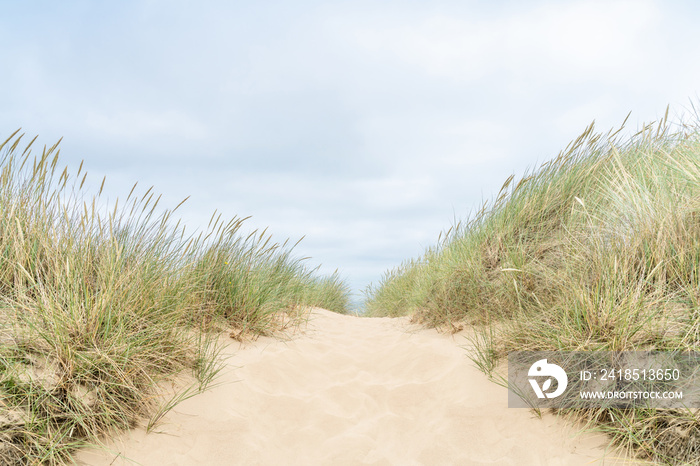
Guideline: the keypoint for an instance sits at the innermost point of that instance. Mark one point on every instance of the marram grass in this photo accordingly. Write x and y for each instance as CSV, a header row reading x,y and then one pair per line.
x,y
97,307
598,249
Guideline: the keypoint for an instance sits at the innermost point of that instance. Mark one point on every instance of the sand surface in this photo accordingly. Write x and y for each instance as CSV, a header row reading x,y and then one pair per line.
x,y
347,390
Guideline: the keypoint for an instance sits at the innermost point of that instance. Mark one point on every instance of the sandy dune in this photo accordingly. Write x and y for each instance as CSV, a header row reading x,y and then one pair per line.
x,y
350,390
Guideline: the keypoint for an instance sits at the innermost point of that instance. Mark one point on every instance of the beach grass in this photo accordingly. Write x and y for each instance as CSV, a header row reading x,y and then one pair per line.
x,y
597,249
99,304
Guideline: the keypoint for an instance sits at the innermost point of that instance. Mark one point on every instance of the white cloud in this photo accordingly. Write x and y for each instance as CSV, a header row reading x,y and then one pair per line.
x,y
362,125
560,40
135,124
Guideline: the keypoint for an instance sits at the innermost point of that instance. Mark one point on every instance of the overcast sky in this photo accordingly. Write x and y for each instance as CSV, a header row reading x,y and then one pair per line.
x,y
367,126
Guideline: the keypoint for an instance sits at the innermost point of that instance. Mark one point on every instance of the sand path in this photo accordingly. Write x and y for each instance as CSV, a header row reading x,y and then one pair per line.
x,y
349,390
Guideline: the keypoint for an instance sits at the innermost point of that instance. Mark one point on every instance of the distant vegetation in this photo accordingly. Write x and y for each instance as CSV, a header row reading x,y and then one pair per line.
x,y
97,306
598,249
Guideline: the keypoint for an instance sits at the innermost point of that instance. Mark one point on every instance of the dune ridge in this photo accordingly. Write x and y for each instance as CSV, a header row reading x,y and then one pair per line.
x,y
350,390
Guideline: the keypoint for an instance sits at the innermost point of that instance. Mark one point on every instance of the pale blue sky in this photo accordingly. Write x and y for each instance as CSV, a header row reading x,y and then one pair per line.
x,y
365,125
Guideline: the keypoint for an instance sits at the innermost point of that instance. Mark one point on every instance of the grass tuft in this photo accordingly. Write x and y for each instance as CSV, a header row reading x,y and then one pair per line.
x,y
597,249
98,306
